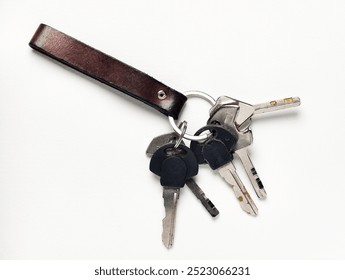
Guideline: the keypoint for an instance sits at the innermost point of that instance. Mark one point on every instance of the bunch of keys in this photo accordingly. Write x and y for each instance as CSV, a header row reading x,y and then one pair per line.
x,y
170,148
226,133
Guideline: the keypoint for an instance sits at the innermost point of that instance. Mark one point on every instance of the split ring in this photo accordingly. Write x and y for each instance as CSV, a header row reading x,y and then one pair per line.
x,y
183,127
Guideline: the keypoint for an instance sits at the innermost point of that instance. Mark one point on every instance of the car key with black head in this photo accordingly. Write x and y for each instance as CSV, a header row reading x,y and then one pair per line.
x,y
172,137
174,165
226,117
217,151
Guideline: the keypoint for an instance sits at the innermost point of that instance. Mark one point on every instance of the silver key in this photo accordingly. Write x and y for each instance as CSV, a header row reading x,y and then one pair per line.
x,y
229,174
174,165
170,197
161,140
275,105
226,117
247,111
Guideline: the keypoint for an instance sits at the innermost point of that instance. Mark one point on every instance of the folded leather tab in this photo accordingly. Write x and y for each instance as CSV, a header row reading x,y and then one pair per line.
x,y
107,70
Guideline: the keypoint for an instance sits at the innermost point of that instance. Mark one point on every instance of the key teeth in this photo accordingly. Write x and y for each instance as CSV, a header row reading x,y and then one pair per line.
x,y
211,208
253,210
261,185
277,104
251,172
260,189
200,195
229,174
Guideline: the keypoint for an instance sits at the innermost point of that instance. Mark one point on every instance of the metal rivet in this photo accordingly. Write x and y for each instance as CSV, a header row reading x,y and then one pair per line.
x,y
161,94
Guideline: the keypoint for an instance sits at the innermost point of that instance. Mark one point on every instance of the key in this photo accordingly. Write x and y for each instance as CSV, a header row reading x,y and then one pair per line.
x,y
247,111
236,116
275,105
164,139
174,165
217,152
226,117
205,201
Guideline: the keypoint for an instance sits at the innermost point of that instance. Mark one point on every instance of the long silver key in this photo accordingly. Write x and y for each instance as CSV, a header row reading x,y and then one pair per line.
x,y
275,105
217,152
247,111
174,165
229,174
160,141
236,116
170,197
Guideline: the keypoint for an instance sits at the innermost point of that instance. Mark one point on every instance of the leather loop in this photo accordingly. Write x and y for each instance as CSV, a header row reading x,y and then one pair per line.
x,y
107,70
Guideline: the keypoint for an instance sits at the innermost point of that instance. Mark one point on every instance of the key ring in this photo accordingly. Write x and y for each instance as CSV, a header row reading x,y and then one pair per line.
x,y
183,127
183,134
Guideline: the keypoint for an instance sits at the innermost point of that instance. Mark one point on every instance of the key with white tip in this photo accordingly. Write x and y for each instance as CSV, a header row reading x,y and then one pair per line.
x,y
278,104
247,111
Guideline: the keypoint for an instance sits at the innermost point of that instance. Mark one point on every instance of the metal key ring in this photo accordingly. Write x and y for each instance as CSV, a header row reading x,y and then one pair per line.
x,y
183,127
201,137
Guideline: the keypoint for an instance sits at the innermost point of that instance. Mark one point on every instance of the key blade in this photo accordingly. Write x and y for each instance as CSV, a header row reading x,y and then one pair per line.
x,y
251,172
228,172
206,202
170,197
275,105
160,141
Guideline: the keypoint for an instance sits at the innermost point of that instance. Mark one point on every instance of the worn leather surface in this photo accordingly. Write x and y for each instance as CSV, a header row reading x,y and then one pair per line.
x,y
107,69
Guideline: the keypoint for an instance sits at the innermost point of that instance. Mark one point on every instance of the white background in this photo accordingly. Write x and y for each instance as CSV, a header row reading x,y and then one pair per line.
x,y
74,179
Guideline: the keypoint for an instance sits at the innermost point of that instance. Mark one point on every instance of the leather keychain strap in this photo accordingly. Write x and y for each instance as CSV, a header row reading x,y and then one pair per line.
x,y
107,70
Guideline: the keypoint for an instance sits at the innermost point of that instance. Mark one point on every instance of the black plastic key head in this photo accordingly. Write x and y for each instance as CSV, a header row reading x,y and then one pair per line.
x,y
216,153
218,133
173,172
174,165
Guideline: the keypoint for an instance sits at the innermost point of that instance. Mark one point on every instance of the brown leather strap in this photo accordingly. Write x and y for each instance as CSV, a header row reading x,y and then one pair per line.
x,y
108,70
